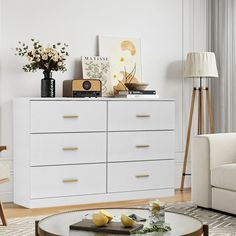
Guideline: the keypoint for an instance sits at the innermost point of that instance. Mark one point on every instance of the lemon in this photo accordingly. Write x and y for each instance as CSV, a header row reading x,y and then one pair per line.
x,y
156,206
126,221
99,219
107,214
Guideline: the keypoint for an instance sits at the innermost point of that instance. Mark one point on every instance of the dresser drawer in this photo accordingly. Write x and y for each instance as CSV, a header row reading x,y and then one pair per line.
x,y
59,181
140,175
67,116
67,148
141,115
140,145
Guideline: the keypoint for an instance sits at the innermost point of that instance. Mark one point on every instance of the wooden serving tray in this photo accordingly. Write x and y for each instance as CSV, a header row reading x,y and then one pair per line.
x,y
112,227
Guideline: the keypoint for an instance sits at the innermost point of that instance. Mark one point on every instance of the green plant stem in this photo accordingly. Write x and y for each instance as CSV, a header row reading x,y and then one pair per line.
x,y
154,228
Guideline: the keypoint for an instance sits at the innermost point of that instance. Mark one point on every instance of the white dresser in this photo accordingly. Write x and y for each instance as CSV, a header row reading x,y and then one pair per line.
x,y
73,151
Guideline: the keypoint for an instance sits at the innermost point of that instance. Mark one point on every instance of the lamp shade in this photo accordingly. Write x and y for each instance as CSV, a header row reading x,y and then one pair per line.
x,y
200,64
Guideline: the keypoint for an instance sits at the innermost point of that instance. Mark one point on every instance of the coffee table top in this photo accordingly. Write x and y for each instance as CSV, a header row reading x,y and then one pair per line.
x,y
59,224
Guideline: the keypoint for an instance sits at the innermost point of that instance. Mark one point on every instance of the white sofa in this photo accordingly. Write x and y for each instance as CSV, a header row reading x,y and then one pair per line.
x,y
214,171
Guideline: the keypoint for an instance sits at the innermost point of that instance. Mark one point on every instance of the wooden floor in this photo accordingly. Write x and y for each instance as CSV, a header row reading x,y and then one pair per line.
x,y
13,210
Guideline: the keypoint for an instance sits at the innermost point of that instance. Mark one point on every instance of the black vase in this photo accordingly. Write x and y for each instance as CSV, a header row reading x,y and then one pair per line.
x,y
48,85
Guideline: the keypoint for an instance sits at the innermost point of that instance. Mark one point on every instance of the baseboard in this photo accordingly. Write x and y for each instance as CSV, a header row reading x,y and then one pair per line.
x,y
6,197
185,189
98,198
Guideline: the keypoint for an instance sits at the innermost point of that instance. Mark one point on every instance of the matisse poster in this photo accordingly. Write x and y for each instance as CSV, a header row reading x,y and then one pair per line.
x,y
96,67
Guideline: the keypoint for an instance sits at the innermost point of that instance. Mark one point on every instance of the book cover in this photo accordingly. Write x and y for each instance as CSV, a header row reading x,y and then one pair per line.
x,y
142,96
151,92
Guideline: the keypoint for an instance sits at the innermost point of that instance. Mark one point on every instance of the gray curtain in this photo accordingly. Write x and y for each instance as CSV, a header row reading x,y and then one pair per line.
x,y
222,42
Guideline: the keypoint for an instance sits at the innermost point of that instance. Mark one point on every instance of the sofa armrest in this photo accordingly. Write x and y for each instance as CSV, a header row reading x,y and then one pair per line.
x,y
222,149
200,161
208,152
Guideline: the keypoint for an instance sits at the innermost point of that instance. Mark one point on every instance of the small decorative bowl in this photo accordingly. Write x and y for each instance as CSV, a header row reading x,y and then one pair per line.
x,y
136,86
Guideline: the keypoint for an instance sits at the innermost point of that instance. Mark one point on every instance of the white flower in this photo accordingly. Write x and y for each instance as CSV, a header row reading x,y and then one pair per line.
x,y
50,54
30,58
33,52
54,52
59,63
44,57
47,50
55,58
38,59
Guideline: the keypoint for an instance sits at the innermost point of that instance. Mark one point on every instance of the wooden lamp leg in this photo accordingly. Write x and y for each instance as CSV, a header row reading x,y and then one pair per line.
x,y
202,111
188,139
210,111
2,215
199,130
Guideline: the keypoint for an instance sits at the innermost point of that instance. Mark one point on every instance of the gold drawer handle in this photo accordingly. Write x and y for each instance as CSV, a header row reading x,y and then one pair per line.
x,y
70,117
143,115
70,180
143,146
70,149
142,176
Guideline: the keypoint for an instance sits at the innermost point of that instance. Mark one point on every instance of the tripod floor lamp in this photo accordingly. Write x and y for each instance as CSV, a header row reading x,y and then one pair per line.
x,y
199,65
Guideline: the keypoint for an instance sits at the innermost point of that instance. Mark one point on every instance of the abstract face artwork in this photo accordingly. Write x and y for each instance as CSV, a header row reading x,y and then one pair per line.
x,y
125,59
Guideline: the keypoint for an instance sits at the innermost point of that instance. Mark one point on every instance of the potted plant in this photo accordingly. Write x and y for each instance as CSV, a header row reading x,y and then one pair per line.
x,y
43,58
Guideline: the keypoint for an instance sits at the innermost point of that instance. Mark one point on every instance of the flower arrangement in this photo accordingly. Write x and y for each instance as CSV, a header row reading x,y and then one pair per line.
x,y
43,58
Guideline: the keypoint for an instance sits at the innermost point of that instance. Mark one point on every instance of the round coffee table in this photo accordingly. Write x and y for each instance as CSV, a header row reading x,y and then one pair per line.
x,y
59,224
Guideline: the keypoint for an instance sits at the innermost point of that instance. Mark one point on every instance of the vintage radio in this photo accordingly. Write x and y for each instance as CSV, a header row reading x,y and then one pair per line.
x,y
82,88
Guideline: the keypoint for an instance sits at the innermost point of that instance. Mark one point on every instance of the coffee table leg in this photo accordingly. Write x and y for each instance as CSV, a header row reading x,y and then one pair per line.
x,y
36,228
205,230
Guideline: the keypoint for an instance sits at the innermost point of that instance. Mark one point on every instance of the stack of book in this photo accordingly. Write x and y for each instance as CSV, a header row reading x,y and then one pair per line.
x,y
138,94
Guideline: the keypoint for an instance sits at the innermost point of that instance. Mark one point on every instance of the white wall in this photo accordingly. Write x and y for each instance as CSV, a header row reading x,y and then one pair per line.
x,y
168,29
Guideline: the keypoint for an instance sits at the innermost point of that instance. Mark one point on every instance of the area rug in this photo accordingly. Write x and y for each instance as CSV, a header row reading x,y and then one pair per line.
x,y
219,224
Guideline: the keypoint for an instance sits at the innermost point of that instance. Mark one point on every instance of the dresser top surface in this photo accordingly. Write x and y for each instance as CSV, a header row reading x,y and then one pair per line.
x,y
95,99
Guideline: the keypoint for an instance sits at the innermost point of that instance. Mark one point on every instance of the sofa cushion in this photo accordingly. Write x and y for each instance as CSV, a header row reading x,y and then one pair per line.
x,y
224,177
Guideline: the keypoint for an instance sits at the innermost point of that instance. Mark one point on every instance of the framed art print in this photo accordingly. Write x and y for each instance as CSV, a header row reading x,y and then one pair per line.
x,y
125,59
95,67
